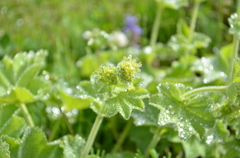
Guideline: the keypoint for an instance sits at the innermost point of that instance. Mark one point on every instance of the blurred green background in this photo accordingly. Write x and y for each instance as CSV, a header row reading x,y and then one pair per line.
x,y
57,26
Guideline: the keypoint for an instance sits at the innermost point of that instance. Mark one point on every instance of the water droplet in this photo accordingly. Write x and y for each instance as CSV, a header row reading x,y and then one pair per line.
x,y
209,139
47,77
69,90
205,81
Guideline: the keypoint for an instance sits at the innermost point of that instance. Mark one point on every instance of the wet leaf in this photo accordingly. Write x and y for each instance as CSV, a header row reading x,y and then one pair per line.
x,y
72,146
194,148
234,25
147,117
35,141
18,76
13,145
10,124
211,69
123,102
4,150
190,115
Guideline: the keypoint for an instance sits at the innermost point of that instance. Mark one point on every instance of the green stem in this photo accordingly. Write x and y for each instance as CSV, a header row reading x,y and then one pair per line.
x,y
192,29
155,139
92,135
205,89
194,20
66,120
55,129
123,136
235,45
26,113
156,25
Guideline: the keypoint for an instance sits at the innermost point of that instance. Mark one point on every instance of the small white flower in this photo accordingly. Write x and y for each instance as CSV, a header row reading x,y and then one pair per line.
x,y
119,39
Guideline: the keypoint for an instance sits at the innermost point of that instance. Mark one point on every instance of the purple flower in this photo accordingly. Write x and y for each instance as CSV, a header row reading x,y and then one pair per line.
x,y
131,25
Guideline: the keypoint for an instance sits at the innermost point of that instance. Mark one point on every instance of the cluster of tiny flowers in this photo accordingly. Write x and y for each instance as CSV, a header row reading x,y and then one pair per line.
x,y
107,74
125,72
127,69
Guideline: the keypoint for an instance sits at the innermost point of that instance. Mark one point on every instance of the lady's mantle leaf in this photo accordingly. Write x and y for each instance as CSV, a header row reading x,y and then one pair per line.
x,y
10,124
13,145
147,117
72,146
191,116
123,102
234,25
34,140
19,74
4,150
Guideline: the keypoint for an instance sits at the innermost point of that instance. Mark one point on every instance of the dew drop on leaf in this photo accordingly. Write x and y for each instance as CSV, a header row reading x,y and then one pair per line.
x,y
209,139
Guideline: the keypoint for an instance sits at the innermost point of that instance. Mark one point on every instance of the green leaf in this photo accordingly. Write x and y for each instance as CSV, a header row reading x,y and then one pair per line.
x,y
123,103
4,150
173,4
217,134
200,40
182,28
72,146
13,127
194,148
6,112
10,124
71,102
23,95
88,64
190,115
147,117
19,74
29,73
180,43
234,25
211,69
13,145
35,141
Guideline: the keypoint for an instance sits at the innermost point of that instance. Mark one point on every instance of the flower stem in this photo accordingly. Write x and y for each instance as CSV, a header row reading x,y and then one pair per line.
x,y
192,29
92,135
156,26
235,45
66,119
205,89
27,115
123,136
55,129
155,139
194,20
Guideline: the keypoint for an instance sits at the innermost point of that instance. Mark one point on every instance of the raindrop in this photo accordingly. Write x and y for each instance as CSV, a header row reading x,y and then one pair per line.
x,y
47,77
205,81
55,110
69,90
209,139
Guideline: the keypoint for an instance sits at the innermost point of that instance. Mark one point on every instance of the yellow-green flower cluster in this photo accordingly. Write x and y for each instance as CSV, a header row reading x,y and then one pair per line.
x,y
127,69
108,74
124,72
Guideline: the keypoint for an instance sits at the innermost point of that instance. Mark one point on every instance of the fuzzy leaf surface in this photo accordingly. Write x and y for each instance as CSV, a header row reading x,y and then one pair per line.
x,y
189,115
19,74
123,102
72,146
147,117
35,141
